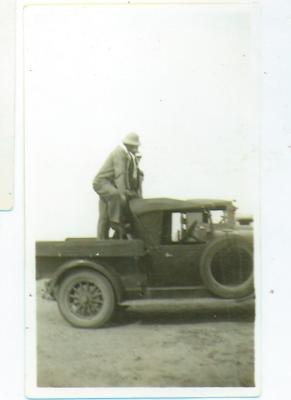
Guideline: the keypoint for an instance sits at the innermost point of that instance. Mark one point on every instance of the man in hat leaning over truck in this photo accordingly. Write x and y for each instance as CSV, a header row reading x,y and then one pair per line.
x,y
118,181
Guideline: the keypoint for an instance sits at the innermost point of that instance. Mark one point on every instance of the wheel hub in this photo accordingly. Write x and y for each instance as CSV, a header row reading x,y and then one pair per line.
x,y
85,299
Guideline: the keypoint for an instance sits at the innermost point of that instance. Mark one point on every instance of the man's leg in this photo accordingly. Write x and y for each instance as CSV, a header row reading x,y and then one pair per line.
x,y
103,221
116,205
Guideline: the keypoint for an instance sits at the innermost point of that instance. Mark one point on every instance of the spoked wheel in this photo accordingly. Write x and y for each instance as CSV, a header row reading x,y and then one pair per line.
x,y
86,299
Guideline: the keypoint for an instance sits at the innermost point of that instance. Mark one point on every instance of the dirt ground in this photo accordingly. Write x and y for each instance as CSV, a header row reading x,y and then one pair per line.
x,y
201,344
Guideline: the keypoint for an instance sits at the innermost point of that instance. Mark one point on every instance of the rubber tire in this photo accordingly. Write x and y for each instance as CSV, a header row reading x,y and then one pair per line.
x,y
226,291
106,289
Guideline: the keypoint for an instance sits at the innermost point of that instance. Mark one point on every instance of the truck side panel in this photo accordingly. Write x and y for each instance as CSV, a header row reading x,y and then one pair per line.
x,y
90,248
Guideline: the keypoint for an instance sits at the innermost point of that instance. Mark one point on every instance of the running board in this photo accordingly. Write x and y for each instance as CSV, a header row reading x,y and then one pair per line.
x,y
200,302
180,295
175,292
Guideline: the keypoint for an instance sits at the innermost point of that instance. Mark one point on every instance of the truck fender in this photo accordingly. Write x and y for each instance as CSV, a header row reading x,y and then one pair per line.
x,y
68,266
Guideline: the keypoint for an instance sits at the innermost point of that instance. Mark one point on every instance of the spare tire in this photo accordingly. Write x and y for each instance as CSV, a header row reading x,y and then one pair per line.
x,y
226,267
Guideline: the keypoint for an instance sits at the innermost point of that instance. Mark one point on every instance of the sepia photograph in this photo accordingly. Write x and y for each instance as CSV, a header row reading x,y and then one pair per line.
x,y
142,168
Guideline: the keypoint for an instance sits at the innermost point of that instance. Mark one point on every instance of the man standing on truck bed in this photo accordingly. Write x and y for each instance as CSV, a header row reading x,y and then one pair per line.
x,y
118,181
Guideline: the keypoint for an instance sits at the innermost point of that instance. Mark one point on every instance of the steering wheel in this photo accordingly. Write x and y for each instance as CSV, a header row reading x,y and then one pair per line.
x,y
190,232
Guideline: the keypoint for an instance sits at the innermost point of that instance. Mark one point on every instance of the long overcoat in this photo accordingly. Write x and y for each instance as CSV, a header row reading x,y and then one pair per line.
x,y
114,174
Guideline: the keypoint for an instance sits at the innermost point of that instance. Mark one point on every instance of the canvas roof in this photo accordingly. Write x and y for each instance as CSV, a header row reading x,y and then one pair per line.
x,y
143,206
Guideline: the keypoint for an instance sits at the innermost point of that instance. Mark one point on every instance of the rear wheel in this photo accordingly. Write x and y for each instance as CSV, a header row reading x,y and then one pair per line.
x,y
86,299
226,267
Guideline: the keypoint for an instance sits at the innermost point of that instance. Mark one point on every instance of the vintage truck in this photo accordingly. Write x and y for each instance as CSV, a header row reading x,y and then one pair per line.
x,y
179,249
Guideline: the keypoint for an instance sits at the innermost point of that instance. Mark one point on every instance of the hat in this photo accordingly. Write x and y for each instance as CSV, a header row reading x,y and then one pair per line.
x,y
131,139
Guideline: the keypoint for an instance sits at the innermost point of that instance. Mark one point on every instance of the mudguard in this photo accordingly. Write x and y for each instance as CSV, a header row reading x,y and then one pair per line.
x,y
72,265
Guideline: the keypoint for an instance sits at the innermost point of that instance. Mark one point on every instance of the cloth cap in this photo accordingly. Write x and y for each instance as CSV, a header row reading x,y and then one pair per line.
x,y
131,139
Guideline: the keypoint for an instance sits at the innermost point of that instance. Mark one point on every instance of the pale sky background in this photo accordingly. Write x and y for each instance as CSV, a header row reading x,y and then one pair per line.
x,y
183,77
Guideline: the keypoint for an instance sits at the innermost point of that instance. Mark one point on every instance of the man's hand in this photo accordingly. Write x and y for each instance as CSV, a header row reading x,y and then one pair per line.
x,y
123,197
130,194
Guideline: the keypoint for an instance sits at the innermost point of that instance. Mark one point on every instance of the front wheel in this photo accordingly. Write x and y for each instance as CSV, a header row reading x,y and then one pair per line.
x,y
86,299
